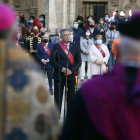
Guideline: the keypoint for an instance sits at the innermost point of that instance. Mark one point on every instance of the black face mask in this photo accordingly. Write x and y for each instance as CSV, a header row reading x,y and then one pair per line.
x,y
29,33
91,26
22,18
45,40
42,33
102,33
111,28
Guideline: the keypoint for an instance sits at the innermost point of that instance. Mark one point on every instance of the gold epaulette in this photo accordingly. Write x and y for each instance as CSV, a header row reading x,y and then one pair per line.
x,y
28,37
32,51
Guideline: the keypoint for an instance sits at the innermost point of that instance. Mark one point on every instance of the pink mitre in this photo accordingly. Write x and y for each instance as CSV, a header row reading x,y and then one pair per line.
x,y
7,17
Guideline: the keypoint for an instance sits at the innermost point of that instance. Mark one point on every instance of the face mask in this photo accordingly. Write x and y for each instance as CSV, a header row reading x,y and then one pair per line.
x,y
89,19
111,28
42,33
79,21
45,40
101,22
35,32
29,33
75,26
91,26
41,19
99,41
71,37
101,33
22,18
106,18
58,34
17,19
88,34
31,21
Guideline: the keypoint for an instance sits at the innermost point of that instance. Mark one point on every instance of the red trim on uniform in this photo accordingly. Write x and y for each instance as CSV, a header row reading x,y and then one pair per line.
x,y
48,50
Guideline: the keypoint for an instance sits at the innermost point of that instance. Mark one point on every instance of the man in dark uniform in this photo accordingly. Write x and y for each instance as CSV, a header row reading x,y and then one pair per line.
x,y
108,107
70,57
44,51
33,42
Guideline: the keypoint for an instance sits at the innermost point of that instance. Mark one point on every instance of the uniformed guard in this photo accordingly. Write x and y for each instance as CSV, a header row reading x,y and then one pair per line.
x,y
33,42
26,110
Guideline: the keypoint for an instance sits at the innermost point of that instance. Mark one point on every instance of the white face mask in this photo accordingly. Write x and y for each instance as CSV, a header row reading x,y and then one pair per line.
x,y
88,34
71,37
101,22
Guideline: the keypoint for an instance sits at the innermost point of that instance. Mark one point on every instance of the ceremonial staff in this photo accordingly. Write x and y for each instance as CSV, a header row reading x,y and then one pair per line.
x,y
66,89
100,70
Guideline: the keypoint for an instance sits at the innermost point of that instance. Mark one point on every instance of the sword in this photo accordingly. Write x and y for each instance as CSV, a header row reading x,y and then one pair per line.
x,y
100,70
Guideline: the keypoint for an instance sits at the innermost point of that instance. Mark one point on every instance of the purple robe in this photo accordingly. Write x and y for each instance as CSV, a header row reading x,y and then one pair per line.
x,y
109,108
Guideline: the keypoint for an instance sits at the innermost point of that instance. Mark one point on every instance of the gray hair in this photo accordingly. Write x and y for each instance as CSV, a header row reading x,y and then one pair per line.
x,y
64,30
57,29
71,30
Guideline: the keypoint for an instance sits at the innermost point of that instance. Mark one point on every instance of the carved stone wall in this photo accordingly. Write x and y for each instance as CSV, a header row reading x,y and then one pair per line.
x,y
29,7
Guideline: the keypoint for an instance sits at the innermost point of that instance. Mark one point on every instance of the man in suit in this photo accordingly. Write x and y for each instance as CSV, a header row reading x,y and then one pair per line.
x,y
62,51
111,35
93,29
44,51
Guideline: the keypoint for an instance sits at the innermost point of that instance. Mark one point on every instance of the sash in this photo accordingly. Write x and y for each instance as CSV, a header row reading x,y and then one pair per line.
x,y
64,48
46,50
101,51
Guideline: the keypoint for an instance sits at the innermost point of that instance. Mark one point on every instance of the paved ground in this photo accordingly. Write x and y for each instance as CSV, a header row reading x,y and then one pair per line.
x,y
52,97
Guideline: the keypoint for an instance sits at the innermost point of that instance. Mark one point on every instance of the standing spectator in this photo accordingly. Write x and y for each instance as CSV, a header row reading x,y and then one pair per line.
x,y
20,25
93,29
113,18
102,24
22,19
56,39
90,17
103,33
43,31
111,35
86,41
42,20
77,32
107,16
99,56
71,35
31,21
43,54
80,21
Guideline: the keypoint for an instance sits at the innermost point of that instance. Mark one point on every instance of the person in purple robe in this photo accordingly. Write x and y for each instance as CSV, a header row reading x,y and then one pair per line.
x,y
107,107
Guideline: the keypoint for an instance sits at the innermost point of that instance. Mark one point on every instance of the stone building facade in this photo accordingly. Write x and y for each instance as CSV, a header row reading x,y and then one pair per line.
x,y
62,13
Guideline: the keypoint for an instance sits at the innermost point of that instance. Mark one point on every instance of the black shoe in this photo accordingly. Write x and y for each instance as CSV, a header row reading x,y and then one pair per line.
x,y
51,91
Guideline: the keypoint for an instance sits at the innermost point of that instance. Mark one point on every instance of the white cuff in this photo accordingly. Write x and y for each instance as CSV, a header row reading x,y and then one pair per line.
x,y
42,60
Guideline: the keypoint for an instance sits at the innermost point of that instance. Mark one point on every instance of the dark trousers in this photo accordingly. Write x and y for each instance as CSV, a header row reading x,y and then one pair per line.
x,y
70,93
49,74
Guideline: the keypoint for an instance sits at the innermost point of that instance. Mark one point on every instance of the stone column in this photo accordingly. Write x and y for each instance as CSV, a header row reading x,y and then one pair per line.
x,y
54,14
72,12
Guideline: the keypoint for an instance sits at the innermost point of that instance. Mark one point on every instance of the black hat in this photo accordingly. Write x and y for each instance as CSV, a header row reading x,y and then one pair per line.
x,y
132,26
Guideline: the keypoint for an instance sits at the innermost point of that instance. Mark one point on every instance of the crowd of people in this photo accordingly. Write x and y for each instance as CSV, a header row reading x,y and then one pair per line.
x,y
97,43
86,34
105,107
